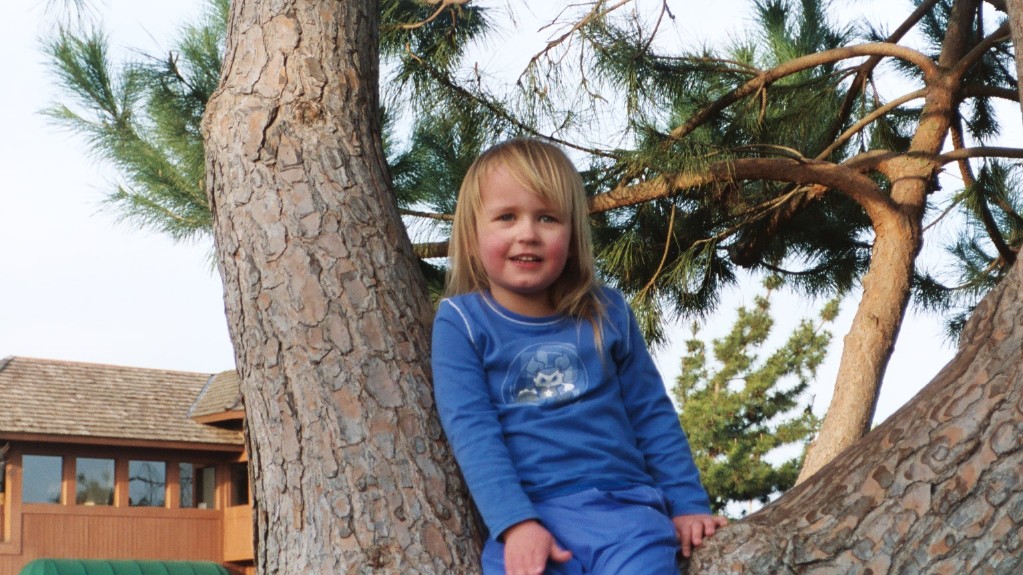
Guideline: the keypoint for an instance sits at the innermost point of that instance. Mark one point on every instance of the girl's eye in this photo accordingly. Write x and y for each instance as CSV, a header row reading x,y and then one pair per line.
x,y
549,219
505,217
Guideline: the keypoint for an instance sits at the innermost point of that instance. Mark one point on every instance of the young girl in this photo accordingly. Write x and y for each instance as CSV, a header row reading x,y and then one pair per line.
x,y
558,418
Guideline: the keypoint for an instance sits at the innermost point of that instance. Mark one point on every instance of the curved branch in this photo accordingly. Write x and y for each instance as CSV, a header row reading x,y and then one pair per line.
x,y
664,254
863,74
958,143
820,268
991,227
865,70
974,91
922,61
841,178
970,181
869,119
978,51
980,152
441,6
877,159
844,178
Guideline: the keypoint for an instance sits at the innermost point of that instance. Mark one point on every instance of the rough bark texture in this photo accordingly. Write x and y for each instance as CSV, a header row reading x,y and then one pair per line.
x,y
329,319
327,310
936,489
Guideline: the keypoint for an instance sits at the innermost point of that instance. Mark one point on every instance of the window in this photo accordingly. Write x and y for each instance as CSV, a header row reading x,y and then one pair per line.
x,y
186,485
41,478
147,483
205,487
239,484
94,479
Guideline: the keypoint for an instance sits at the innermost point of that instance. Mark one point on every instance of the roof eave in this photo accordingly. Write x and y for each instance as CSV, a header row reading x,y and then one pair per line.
x,y
124,442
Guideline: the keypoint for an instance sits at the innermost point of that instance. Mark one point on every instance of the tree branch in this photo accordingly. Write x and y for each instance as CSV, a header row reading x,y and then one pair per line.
x,y
970,182
978,51
427,215
865,70
429,250
980,152
842,178
497,110
869,119
973,91
441,6
796,65
845,179
958,143
575,27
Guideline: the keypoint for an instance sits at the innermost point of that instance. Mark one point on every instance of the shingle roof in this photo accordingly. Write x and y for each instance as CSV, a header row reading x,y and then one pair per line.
x,y
221,393
60,398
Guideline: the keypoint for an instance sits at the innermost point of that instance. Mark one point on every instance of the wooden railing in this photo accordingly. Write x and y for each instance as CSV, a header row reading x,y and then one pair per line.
x,y
116,533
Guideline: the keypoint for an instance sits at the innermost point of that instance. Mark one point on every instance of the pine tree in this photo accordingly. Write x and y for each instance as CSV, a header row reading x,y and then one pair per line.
x,y
741,414
779,154
143,118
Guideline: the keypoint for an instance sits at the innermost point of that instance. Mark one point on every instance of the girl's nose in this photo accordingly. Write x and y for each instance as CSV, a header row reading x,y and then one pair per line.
x,y
528,232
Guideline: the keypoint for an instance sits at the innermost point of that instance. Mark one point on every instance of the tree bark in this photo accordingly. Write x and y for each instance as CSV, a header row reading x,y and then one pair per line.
x,y
1014,8
935,489
327,310
329,316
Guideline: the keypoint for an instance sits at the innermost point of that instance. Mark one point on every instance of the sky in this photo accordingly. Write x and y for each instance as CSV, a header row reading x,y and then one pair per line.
x,y
78,285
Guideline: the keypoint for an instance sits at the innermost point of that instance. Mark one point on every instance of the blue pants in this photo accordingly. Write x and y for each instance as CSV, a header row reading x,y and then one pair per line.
x,y
608,532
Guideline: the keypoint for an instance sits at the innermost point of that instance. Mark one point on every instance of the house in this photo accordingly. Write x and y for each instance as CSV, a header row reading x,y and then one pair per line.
x,y
121,463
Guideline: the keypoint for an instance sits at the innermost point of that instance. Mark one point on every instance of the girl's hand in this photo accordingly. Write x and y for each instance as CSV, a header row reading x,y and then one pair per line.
x,y
691,529
527,546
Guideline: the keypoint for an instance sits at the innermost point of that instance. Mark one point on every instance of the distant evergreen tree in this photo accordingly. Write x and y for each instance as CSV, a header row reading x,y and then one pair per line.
x,y
737,414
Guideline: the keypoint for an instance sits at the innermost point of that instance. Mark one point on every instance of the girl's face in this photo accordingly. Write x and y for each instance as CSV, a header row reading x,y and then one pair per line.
x,y
523,243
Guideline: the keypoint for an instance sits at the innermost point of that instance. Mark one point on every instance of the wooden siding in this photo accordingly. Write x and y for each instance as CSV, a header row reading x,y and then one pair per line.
x,y
114,533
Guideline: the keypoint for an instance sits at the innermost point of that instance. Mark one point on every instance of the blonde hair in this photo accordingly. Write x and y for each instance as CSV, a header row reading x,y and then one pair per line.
x,y
547,171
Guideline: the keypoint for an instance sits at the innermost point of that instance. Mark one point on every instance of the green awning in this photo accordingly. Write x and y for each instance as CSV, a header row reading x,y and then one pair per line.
x,y
103,567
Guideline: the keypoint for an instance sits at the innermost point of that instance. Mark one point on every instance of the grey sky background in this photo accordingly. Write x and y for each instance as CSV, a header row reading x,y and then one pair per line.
x,y
78,285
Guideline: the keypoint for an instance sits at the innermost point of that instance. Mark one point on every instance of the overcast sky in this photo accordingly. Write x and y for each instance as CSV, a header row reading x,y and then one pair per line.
x,y
77,285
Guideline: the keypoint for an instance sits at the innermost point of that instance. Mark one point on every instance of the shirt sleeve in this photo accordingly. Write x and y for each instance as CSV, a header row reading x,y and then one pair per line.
x,y
470,421
655,422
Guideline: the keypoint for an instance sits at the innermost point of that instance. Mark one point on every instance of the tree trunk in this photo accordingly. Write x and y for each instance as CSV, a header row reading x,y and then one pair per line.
x,y
936,489
898,239
1015,10
327,310
868,345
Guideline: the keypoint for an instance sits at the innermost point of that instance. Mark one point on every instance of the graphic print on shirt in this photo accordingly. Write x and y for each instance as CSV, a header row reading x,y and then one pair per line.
x,y
545,374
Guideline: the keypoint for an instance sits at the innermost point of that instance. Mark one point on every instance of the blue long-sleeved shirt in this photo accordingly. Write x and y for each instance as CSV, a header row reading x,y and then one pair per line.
x,y
533,409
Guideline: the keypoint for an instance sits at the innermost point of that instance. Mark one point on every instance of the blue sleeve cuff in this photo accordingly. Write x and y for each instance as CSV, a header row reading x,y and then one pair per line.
x,y
687,502
498,530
